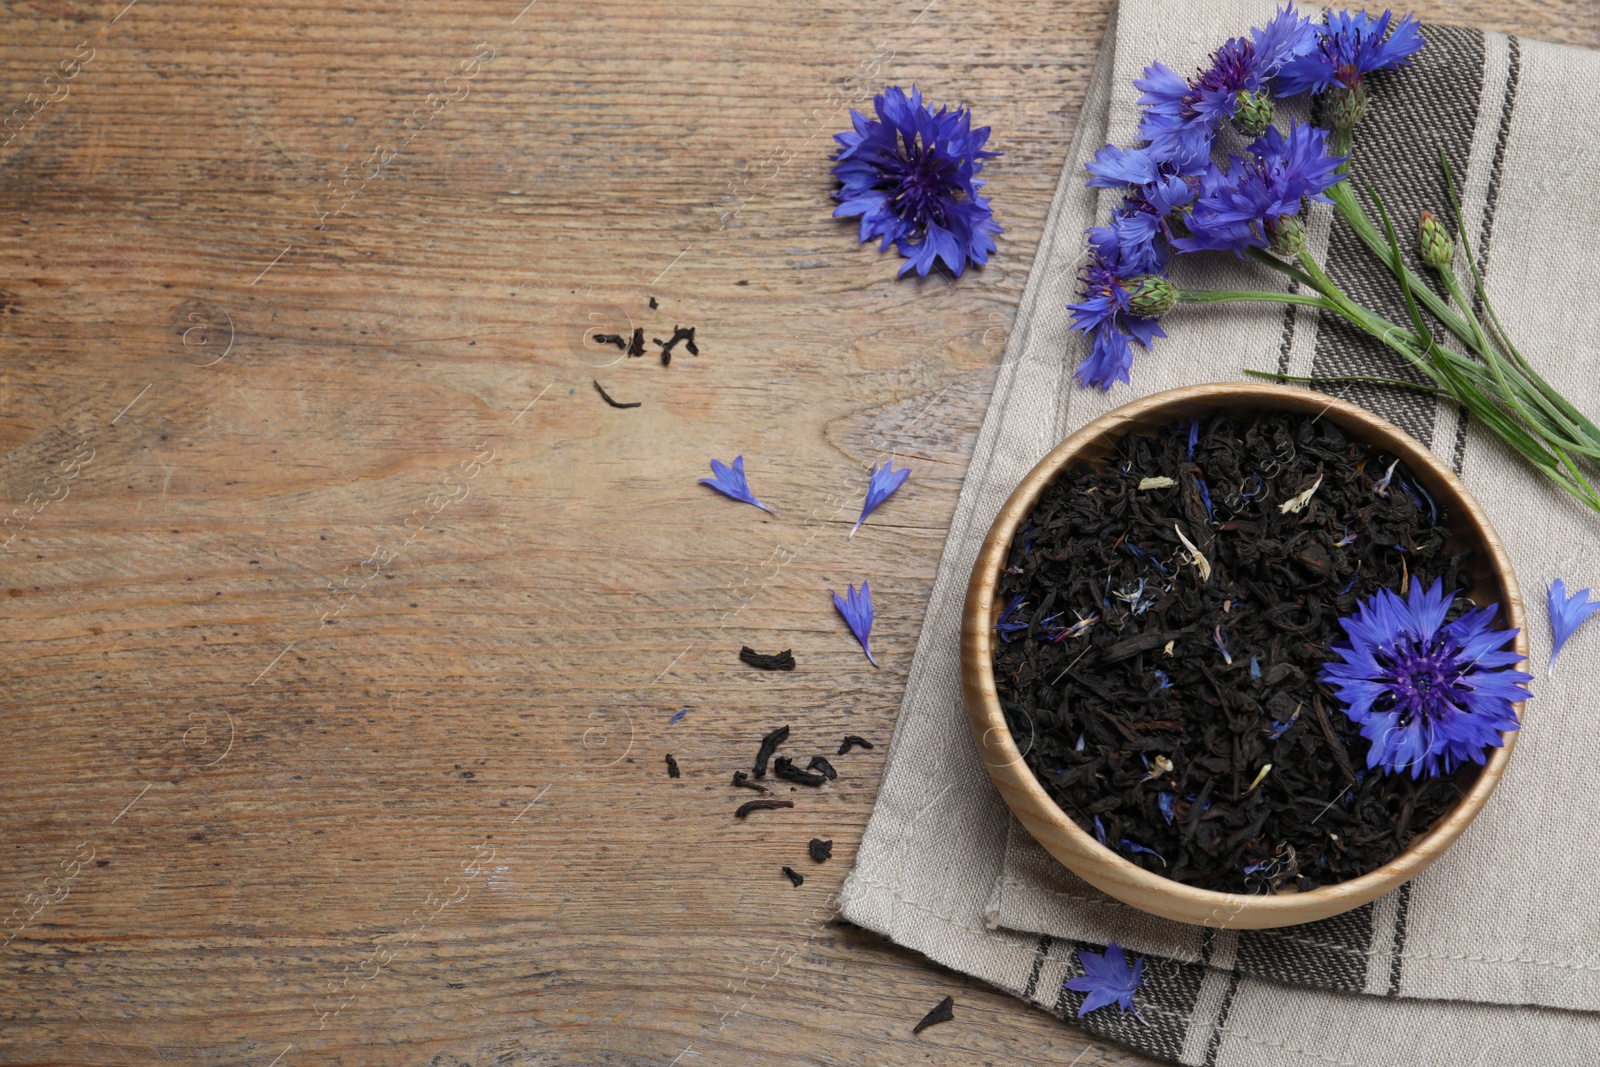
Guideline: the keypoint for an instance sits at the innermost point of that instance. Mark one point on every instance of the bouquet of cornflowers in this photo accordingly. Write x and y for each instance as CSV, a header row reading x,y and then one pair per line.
x,y
1179,199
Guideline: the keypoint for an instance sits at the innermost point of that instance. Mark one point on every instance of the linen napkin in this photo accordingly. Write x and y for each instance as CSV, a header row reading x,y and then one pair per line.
x,y
1492,956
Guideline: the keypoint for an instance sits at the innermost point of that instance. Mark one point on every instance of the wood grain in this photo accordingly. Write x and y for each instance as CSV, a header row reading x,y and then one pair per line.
x,y
334,574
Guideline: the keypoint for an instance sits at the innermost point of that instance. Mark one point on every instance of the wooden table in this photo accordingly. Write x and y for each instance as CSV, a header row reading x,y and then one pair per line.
x,y
345,625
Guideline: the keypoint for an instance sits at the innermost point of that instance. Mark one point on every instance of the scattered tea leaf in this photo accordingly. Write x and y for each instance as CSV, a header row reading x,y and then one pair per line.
x,y
761,805
942,1012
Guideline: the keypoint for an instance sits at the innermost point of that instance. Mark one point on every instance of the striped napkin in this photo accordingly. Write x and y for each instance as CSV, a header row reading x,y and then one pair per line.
x,y
1492,956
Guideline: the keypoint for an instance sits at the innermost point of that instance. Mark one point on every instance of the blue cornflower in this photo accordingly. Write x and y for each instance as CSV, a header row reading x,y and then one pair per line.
x,y
1566,615
1164,802
1349,46
1110,281
1262,188
1107,979
1181,117
856,607
912,176
880,487
730,481
1428,696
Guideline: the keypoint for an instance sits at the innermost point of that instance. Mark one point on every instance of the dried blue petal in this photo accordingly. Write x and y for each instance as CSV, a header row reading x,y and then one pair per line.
x,y
880,487
1140,554
1255,667
1427,695
1205,497
1194,436
1099,830
1008,628
678,716
1348,538
1107,980
1161,676
1164,802
856,607
1566,615
730,481
1131,846
1220,639
1381,486
1079,746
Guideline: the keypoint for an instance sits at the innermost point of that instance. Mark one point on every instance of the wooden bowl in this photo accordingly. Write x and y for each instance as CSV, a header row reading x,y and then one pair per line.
x,y
1495,581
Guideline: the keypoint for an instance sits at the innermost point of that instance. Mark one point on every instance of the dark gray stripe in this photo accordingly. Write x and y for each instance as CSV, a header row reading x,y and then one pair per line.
x,y
1040,954
1415,112
1288,330
1328,954
1402,906
1222,1021
1167,994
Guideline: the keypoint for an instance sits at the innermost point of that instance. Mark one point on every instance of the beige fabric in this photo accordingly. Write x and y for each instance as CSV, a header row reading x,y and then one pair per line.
x,y
1508,918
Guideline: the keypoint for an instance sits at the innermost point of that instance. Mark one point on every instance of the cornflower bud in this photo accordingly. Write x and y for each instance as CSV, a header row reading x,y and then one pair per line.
x,y
1433,242
1154,297
1286,236
1346,106
1252,113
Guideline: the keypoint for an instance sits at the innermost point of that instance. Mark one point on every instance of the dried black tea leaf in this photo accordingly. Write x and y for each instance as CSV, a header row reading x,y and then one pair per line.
x,y
636,346
784,768
1161,646
610,339
607,398
820,850
820,763
672,767
852,741
653,304
795,876
761,805
769,745
741,778
777,661
942,1012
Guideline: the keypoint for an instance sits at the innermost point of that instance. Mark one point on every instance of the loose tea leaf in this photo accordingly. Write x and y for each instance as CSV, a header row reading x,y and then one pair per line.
x,y
636,345
607,397
610,339
769,745
743,779
795,876
761,805
942,1012
784,768
820,763
672,767
777,661
1160,649
820,850
852,741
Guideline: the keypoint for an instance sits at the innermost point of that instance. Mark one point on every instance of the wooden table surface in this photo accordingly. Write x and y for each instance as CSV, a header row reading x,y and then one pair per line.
x,y
344,624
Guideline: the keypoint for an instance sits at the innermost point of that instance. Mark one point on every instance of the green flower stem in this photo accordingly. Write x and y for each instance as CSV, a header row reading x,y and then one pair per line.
x,y
1516,385
1345,201
1257,296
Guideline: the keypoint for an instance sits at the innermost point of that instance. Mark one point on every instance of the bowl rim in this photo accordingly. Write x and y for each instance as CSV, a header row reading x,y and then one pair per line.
x,y
1077,849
